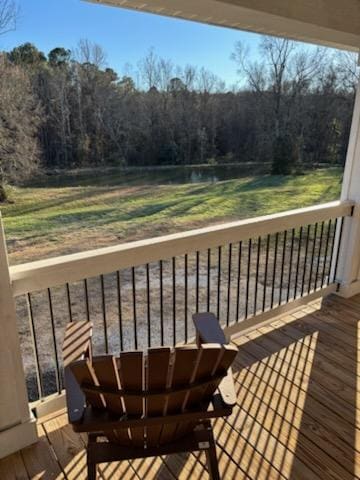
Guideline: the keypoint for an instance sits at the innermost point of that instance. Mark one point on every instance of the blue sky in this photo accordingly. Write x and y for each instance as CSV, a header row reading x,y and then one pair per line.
x,y
126,36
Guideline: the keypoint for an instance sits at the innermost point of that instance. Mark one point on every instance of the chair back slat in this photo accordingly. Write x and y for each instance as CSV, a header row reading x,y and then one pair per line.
x,y
225,359
158,366
131,372
107,374
105,369
208,357
185,361
84,373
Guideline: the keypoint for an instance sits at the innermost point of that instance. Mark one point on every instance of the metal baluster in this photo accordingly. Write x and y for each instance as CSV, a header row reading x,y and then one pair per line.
x,y
208,279
305,259
312,257
332,250
186,296
148,304
326,253
161,302
229,286
197,283
134,306
174,298
298,262
238,282
69,302
274,270
120,310
248,278
257,273
338,248
319,254
104,313
87,300
57,367
219,283
266,271
39,382
290,264
282,266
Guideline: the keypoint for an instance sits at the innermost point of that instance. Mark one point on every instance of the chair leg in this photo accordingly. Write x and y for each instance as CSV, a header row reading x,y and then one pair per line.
x,y
212,461
91,470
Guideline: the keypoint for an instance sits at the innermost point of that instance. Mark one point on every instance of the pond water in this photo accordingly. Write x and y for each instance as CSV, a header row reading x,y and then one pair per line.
x,y
147,175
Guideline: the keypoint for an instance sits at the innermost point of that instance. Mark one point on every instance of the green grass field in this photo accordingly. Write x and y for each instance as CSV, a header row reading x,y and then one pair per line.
x,y
55,220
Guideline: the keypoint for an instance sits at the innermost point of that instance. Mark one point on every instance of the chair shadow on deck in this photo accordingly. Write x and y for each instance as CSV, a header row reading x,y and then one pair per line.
x,y
296,387
295,418
296,390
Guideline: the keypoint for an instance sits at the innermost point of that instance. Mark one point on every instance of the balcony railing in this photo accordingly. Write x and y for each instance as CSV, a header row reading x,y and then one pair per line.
x,y
143,293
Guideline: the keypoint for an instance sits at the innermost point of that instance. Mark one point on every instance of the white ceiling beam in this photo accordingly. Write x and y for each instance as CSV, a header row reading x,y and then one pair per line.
x,y
327,22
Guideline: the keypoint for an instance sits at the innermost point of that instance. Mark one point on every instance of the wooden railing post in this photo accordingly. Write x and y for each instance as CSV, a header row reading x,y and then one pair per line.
x,y
17,427
348,272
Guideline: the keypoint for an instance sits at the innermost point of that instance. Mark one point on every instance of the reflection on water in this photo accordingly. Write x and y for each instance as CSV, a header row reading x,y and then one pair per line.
x,y
145,176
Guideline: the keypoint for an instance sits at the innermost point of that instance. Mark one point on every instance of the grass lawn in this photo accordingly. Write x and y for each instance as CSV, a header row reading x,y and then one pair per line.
x,y
56,220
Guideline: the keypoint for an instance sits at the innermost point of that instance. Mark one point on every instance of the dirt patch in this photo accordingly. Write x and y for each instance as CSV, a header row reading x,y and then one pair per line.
x,y
154,305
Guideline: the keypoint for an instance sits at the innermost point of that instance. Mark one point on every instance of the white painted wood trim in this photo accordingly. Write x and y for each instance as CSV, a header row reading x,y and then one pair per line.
x,y
348,272
269,316
15,416
18,437
48,273
49,405
348,290
17,427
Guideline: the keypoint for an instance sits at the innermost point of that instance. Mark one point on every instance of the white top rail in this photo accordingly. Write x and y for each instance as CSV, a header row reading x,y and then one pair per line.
x,y
42,274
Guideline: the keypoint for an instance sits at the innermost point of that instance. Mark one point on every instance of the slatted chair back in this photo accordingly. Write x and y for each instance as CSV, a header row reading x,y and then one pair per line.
x,y
162,382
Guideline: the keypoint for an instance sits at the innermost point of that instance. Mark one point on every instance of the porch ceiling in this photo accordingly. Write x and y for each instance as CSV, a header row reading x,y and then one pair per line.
x,y
327,22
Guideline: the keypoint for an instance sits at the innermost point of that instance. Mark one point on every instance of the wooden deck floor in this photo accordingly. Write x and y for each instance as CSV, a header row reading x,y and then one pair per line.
x,y
297,415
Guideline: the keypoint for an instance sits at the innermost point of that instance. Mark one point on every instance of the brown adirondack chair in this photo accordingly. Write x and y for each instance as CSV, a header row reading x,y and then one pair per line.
x,y
149,404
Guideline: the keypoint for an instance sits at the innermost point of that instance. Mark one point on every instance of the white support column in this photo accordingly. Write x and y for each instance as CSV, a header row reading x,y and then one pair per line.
x,y
17,426
348,273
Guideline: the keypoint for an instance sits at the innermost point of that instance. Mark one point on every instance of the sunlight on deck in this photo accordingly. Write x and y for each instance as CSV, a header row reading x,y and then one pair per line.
x,y
297,415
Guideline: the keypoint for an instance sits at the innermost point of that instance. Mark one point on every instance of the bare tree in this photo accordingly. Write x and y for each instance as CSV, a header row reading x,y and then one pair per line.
x,y
92,53
19,121
149,70
348,66
9,14
284,76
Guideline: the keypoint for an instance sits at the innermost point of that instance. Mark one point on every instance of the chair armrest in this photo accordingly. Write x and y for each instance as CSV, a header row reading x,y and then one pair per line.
x,y
208,329
227,390
75,398
77,342
76,346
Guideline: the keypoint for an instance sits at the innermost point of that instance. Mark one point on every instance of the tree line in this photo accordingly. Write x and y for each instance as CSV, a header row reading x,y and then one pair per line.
x,y
69,109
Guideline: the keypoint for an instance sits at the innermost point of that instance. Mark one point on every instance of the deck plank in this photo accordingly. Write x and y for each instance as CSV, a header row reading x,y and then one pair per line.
x,y
185,466
322,414
288,426
68,446
40,460
13,468
288,361
297,415
277,411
